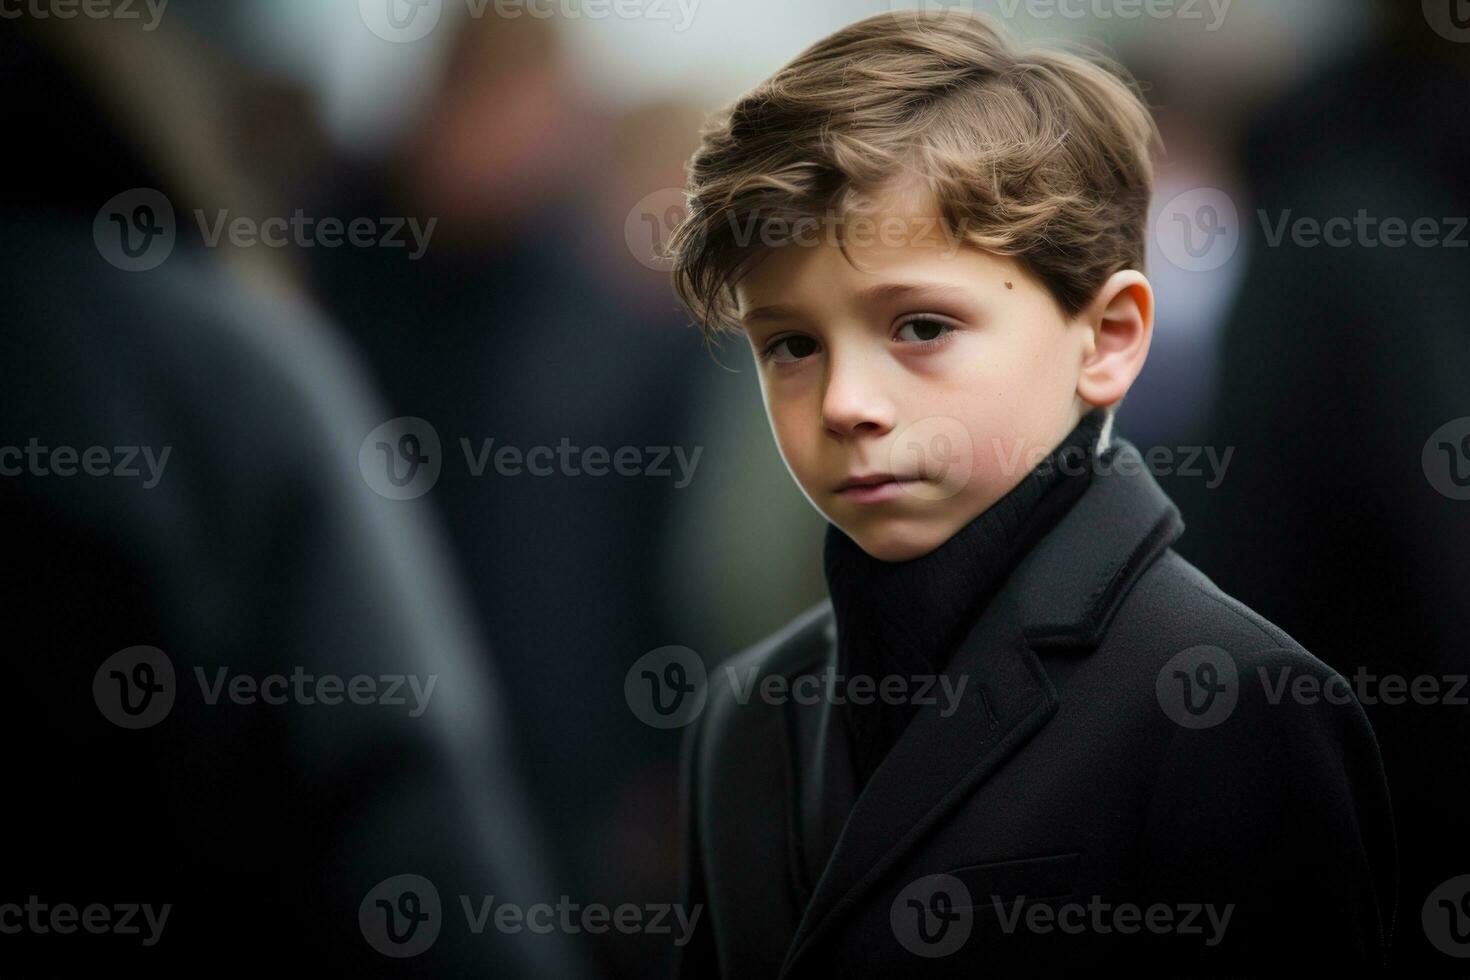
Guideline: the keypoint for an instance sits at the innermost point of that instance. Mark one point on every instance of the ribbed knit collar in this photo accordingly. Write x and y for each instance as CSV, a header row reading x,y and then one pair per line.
x,y
906,618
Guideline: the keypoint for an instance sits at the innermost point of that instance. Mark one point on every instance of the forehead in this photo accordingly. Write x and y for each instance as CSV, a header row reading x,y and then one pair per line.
x,y
890,256
871,234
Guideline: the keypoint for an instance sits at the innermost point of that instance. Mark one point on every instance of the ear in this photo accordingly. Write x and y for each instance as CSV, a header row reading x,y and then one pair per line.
x,y
1121,323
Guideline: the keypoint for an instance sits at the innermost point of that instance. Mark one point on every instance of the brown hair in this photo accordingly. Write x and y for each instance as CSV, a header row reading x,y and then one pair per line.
x,y
1036,154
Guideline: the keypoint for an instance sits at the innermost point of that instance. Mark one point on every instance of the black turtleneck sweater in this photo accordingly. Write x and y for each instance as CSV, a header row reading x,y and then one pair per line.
x,y
906,618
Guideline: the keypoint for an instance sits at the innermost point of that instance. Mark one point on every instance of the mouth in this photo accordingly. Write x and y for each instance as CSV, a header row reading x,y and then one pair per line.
x,y
873,487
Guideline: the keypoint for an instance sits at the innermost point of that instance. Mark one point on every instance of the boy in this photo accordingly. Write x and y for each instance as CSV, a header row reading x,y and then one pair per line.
x,y
1043,739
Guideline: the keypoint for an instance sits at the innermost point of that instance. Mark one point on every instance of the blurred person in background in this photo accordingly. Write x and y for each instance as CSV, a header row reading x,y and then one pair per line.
x,y
217,834
1346,365
528,326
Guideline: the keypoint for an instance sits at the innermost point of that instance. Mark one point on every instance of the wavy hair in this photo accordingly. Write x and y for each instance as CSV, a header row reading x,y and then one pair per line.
x,y
1042,155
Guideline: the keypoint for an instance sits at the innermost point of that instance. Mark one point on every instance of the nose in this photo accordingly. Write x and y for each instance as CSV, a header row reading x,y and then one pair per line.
x,y
854,402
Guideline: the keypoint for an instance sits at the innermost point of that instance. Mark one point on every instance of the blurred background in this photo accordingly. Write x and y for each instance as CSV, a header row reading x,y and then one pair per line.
x,y
537,150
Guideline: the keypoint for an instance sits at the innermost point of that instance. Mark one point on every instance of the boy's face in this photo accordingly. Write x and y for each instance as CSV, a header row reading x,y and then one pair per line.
x,y
934,376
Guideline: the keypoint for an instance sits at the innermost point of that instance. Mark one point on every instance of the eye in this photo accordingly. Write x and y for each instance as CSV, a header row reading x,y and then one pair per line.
x,y
924,330
790,349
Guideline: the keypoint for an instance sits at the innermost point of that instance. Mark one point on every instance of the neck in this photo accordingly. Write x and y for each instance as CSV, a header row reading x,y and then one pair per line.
x,y
905,618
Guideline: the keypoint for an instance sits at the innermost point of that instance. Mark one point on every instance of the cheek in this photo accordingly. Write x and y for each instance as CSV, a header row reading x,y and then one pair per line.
x,y
1006,400
795,429
994,424
1043,399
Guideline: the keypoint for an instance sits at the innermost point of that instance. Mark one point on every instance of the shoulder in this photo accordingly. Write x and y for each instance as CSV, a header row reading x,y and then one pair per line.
x,y
735,712
792,649
190,341
1180,635
1174,606
227,376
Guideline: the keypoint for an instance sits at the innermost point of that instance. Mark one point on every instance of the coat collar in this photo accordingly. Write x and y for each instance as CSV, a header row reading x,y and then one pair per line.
x,y
1063,594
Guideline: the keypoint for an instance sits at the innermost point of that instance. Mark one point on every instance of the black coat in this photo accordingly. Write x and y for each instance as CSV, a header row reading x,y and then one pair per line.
x,y
1060,776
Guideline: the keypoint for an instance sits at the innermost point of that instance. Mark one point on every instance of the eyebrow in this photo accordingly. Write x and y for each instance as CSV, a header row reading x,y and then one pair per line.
x,y
880,293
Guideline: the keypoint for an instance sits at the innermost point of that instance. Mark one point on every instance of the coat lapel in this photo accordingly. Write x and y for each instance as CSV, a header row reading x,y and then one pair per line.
x,y
1006,699
1063,593
828,785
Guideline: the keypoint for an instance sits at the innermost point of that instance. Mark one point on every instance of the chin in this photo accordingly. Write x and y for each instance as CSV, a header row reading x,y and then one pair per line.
x,y
896,540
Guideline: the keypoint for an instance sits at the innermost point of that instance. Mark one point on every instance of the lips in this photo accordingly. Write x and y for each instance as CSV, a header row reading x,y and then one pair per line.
x,y
870,480
873,487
